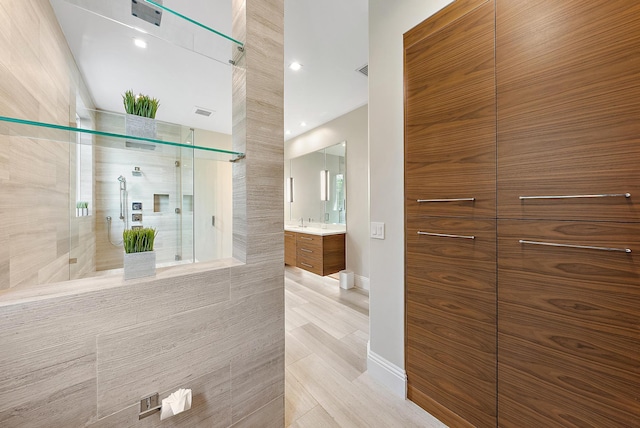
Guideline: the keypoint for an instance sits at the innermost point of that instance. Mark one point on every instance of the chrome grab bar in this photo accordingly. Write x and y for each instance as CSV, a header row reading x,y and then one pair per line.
x,y
603,195
585,247
305,250
445,235
446,200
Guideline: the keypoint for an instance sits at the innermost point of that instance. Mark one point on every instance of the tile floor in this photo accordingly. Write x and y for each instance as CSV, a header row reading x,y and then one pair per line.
x,y
326,383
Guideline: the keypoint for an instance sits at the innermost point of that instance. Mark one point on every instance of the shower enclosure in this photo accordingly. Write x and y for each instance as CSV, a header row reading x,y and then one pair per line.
x,y
73,179
138,183
141,184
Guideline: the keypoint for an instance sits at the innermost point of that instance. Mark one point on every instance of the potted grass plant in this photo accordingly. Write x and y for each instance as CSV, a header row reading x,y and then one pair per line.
x,y
139,257
141,112
82,208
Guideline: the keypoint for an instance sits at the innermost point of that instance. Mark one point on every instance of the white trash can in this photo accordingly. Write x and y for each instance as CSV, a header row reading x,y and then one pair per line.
x,y
346,279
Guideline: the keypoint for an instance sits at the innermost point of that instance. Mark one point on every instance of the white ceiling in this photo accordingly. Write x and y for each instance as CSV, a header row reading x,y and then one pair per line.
x,y
329,38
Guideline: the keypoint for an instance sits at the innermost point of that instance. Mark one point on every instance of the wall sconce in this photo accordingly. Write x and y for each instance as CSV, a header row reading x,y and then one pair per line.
x,y
324,185
290,189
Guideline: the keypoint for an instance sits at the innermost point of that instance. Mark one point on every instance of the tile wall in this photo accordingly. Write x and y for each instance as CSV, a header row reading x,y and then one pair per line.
x,y
38,81
84,353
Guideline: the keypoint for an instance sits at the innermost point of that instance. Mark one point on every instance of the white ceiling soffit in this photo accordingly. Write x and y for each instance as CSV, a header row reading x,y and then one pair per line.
x,y
329,38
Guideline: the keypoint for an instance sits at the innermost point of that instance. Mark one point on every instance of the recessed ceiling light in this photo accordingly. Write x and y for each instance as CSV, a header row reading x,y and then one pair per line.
x,y
140,43
287,132
295,66
303,123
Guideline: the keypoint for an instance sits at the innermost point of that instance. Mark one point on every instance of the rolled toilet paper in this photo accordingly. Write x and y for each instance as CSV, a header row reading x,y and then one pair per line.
x,y
175,403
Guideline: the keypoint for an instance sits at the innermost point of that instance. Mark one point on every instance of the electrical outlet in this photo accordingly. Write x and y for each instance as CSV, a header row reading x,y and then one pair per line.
x,y
377,230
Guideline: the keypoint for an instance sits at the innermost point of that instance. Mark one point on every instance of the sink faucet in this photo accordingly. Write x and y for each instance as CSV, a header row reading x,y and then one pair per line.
x,y
301,222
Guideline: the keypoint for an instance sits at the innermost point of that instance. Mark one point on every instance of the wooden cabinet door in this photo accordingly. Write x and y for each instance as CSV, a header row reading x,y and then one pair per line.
x,y
309,253
333,253
450,113
451,319
290,248
569,324
568,93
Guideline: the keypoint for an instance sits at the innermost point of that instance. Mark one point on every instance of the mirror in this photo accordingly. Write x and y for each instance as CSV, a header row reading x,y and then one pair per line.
x,y
315,186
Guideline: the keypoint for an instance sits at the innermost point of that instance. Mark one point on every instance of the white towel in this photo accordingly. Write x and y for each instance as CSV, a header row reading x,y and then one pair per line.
x,y
175,403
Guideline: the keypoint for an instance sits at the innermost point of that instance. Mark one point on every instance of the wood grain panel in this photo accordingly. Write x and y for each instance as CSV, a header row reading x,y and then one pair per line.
x,y
458,333
290,248
590,285
441,20
578,393
464,396
322,255
333,254
450,118
451,317
569,100
312,264
568,324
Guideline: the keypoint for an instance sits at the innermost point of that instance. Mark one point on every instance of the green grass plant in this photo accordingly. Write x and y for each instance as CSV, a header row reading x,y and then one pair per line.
x,y
139,240
140,105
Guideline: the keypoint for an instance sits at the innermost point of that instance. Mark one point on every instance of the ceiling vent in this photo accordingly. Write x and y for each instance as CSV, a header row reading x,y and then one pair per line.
x,y
146,11
364,70
202,111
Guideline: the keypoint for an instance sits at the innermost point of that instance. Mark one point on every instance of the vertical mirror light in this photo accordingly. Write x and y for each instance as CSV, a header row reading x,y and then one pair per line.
x,y
290,189
324,185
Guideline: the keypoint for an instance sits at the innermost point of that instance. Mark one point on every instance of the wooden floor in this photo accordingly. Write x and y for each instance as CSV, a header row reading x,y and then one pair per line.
x,y
326,383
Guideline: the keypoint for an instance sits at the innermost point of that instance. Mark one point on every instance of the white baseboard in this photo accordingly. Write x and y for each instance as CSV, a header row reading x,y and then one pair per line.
x,y
361,282
387,374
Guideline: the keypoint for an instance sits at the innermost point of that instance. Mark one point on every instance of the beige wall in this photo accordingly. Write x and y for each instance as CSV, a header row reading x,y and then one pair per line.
x,y
213,194
83,352
388,21
352,128
38,81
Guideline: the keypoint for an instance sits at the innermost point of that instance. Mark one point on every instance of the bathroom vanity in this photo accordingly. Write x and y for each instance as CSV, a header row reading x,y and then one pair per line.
x,y
320,251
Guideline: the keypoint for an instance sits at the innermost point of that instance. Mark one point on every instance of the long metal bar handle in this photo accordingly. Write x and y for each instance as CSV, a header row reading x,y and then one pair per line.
x,y
584,247
305,250
445,235
446,200
603,195
305,264
304,238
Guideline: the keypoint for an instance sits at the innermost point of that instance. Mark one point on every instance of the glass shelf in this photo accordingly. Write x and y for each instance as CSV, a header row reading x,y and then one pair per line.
x,y
176,27
193,21
170,137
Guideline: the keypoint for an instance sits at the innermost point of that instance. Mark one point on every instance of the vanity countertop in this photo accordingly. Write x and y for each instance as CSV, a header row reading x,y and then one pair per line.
x,y
312,230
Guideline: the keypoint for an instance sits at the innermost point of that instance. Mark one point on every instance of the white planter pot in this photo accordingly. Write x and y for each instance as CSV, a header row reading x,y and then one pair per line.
x,y
139,265
139,126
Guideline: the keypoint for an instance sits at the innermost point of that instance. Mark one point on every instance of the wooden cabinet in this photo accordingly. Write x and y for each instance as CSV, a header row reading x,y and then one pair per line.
x,y
569,293
450,117
568,109
568,323
450,209
451,318
322,255
552,337
290,248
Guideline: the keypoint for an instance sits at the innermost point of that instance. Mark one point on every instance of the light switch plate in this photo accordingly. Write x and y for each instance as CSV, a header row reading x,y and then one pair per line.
x,y
377,230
